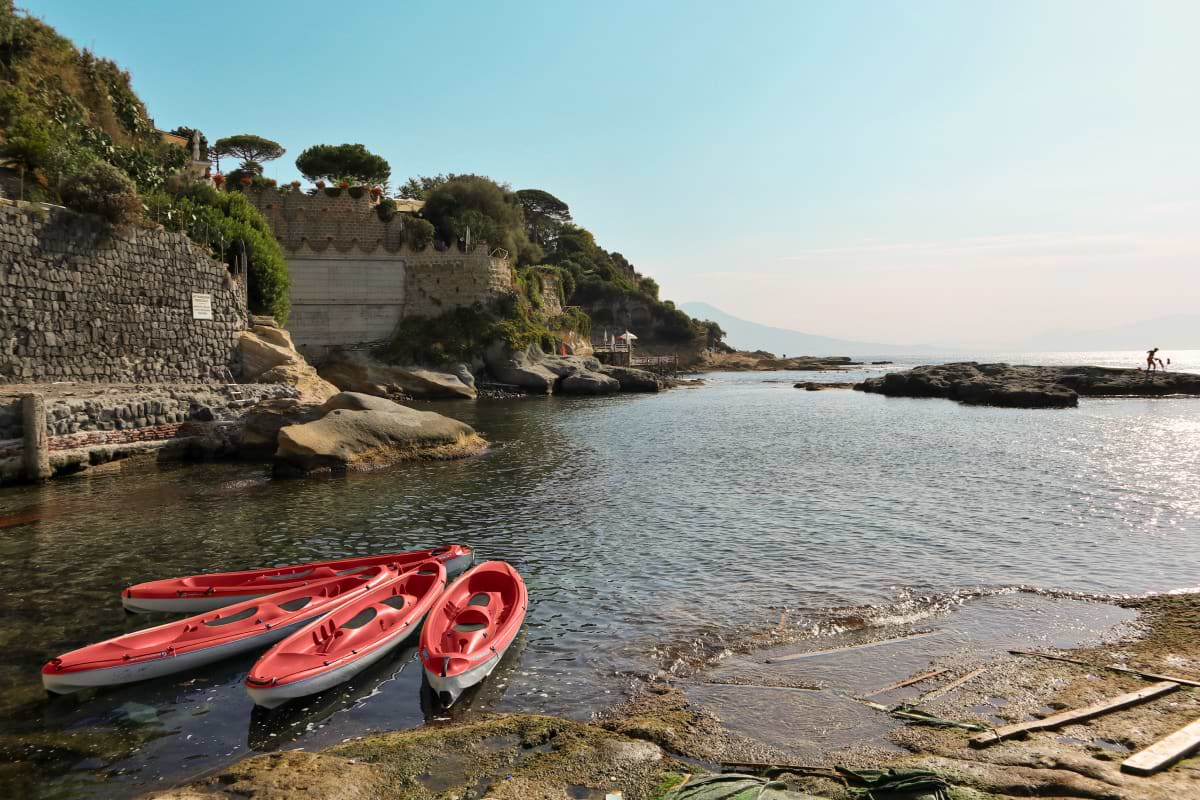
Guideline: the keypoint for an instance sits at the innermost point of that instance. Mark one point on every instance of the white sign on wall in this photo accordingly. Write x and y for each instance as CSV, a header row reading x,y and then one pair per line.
x,y
201,306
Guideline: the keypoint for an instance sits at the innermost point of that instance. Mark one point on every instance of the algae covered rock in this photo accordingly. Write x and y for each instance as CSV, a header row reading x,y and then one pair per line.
x,y
361,432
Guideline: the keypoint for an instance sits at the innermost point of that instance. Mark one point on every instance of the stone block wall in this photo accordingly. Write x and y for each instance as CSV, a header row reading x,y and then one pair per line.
x,y
81,301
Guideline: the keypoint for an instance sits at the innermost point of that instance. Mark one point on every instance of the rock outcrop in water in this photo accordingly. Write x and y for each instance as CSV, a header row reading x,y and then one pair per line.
x,y
1017,386
357,371
358,431
534,371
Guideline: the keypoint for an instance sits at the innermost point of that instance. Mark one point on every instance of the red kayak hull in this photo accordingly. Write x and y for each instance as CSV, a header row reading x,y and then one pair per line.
x,y
204,638
358,633
193,594
471,626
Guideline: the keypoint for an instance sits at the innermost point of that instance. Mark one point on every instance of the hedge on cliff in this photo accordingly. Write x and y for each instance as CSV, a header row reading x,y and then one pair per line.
x,y
227,221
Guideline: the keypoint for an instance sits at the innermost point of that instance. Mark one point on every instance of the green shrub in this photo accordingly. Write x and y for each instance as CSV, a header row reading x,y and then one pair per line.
x,y
386,209
224,221
102,189
418,233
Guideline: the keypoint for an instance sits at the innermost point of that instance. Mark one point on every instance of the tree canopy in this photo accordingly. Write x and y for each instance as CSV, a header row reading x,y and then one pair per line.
x,y
251,149
489,211
419,186
335,161
545,215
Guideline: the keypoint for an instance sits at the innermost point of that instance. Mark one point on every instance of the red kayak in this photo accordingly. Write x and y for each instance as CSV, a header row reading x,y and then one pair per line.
x,y
470,628
195,593
354,636
204,638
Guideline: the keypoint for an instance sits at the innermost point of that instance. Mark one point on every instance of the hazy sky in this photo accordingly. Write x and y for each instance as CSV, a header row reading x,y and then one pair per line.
x,y
954,172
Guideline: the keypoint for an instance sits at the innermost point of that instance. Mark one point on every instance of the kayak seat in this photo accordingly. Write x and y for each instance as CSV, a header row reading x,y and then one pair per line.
x,y
480,599
396,601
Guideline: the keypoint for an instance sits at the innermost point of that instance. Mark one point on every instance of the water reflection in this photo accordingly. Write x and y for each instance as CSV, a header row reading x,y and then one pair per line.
x,y
648,529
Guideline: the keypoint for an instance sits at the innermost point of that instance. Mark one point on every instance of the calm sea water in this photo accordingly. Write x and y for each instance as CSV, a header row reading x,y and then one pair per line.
x,y
647,528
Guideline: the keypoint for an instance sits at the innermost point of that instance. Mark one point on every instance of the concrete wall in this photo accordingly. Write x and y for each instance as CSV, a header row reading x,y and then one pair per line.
x,y
354,278
81,301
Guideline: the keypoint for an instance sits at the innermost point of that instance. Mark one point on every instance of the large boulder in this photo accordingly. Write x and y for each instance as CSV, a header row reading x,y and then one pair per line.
x,y
262,423
357,371
267,357
519,367
633,380
588,383
361,432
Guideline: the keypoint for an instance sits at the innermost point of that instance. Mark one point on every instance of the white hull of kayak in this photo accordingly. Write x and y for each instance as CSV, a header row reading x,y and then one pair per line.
x,y
450,688
68,682
184,605
201,603
274,696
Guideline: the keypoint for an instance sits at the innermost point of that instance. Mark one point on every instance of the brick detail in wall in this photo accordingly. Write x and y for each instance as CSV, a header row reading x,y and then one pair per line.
x,y
81,301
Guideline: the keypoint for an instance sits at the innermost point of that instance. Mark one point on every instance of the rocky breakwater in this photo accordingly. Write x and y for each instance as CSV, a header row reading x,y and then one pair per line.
x,y
352,431
535,371
1018,386
762,361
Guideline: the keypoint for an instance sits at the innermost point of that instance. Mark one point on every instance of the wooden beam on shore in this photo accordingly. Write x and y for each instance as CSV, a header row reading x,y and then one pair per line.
x,y
1165,751
1150,676
1075,715
924,676
952,685
864,646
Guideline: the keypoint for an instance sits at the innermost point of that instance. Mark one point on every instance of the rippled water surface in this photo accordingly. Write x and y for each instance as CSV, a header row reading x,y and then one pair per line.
x,y
641,524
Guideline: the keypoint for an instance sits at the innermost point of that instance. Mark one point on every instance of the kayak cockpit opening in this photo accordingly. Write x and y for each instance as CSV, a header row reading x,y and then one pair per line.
x,y
360,619
295,605
238,617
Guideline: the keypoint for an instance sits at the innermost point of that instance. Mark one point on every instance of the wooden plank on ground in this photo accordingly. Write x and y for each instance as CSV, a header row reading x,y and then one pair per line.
x,y
924,676
1150,676
1075,715
952,685
864,646
1165,751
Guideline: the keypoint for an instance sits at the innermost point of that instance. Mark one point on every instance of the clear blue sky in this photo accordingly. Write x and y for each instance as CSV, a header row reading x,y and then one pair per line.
x,y
958,172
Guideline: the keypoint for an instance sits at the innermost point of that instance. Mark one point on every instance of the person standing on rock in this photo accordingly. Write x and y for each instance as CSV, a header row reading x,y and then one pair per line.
x,y
1150,359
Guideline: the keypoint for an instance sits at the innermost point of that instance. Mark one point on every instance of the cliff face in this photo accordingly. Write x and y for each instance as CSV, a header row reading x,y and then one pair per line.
x,y
660,327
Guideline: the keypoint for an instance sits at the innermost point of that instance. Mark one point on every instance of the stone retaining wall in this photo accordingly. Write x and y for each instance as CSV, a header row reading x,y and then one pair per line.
x,y
82,301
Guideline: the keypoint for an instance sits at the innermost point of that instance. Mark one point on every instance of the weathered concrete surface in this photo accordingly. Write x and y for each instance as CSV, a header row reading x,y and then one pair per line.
x,y
359,431
357,371
1028,386
35,455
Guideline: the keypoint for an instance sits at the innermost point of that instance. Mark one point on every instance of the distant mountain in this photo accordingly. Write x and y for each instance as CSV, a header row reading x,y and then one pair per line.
x,y
746,335
1176,332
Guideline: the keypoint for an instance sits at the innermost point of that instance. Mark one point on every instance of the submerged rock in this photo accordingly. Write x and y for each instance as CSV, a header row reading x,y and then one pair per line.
x,y
358,431
357,371
1020,386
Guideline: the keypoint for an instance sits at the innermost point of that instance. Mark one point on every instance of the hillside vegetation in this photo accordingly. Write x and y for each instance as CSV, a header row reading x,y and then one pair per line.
x,y
73,132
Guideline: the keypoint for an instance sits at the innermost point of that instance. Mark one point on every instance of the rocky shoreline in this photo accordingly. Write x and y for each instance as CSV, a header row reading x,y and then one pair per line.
x,y
1020,386
762,361
649,743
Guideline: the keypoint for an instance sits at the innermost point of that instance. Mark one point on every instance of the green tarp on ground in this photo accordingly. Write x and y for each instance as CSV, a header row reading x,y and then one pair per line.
x,y
867,784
